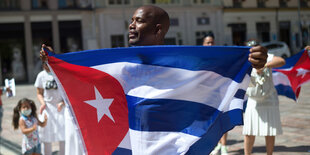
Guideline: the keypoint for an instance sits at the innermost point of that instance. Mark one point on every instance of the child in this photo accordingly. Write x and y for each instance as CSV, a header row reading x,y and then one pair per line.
x,y
25,117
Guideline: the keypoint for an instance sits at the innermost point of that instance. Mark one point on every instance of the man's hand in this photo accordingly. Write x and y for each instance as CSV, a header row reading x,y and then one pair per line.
x,y
307,47
43,55
258,56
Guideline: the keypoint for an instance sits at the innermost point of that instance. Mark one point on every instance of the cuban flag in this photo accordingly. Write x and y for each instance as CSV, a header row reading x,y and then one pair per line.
x,y
289,78
154,100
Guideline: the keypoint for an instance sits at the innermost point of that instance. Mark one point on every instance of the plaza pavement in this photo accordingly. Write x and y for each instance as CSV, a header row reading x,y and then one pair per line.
x,y
295,119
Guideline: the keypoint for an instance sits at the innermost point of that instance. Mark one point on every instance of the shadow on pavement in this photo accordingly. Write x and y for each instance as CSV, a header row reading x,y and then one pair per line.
x,y
16,148
232,142
262,149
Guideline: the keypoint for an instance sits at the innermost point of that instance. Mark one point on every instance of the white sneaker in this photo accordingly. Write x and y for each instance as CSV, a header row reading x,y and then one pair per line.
x,y
216,150
224,150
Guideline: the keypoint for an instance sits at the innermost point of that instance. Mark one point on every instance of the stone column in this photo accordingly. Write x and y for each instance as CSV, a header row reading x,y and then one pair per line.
x,y
56,38
29,52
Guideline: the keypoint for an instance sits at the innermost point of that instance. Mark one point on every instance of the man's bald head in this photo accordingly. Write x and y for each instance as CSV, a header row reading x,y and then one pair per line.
x,y
149,26
159,15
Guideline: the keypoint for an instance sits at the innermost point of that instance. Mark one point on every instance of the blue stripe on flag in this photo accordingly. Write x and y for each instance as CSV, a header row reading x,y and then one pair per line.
x,y
172,115
122,151
206,143
285,91
240,94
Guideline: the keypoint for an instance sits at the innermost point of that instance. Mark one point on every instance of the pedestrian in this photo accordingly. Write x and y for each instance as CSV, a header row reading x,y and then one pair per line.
x,y
149,25
25,118
52,105
262,116
209,41
2,91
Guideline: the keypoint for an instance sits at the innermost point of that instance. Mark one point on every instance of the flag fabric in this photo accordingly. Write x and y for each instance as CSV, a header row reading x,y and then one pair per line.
x,y
154,99
289,78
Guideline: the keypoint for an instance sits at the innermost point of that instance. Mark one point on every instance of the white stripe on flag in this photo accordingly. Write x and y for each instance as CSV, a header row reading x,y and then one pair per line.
x,y
161,142
280,78
204,87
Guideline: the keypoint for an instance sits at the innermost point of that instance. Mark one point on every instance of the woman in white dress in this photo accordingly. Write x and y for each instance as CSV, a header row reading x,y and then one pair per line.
x,y
52,105
262,115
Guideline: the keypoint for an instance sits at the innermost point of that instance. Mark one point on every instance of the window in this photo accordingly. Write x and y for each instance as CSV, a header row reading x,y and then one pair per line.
x,y
263,31
13,54
238,33
174,22
118,2
9,4
117,41
304,3
203,21
69,4
201,1
39,4
70,34
170,41
237,3
164,1
283,3
261,3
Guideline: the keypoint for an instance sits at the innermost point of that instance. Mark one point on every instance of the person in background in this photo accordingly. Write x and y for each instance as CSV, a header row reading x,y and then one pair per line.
x,y
52,105
262,115
2,91
209,41
25,118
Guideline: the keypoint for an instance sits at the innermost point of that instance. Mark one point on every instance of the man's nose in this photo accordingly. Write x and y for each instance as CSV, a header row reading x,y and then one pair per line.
x,y
132,25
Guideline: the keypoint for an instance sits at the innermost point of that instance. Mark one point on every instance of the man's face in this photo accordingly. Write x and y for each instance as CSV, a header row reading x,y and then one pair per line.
x,y
142,29
208,41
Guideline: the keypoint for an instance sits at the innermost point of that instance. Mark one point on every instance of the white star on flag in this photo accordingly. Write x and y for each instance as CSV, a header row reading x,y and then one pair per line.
x,y
302,72
102,105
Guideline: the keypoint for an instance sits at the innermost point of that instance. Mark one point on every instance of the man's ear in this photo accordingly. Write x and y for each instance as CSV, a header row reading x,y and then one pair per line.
x,y
159,30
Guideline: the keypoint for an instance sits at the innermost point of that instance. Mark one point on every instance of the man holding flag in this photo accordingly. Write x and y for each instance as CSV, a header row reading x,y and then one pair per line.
x,y
148,27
